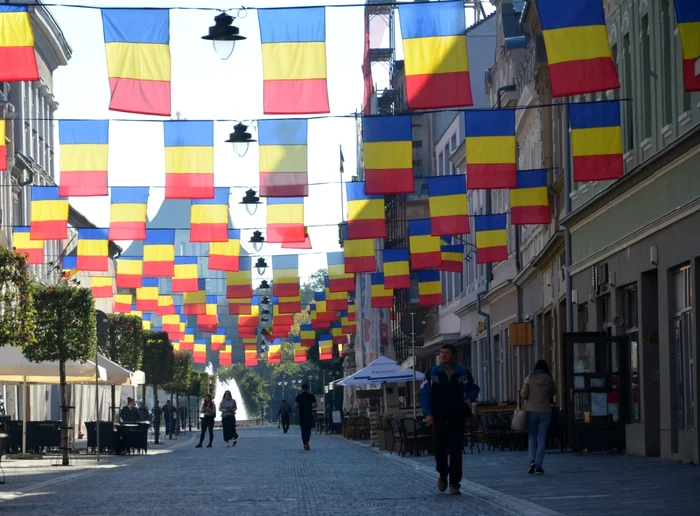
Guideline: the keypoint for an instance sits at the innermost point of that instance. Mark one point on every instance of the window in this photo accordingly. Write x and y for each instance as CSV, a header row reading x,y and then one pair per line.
x,y
682,355
646,78
448,165
453,143
417,133
616,62
627,85
441,169
667,64
630,314
583,317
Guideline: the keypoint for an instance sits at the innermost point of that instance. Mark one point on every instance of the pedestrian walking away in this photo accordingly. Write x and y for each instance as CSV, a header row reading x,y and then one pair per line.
x,y
284,415
208,415
169,418
228,408
445,399
305,403
537,396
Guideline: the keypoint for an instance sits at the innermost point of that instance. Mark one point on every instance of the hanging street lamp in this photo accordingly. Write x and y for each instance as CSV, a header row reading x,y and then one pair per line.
x,y
240,139
224,35
250,201
264,285
261,266
257,240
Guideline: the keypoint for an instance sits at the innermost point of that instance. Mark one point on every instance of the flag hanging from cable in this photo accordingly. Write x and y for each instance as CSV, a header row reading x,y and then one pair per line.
x,y
239,306
23,244
596,141
381,297
397,272
429,289
3,144
225,256
359,255
435,54
159,253
325,346
285,275
93,249
338,279
187,342
129,272
102,287
69,267
274,353
294,61
239,284
166,306
688,19
147,295
283,158
218,339
17,54
209,217
452,257
226,354
448,204
388,154
425,248
128,213
84,146
195,303
336,301
189,159
366,218
490,142
491,238
285,220
199,355
307,334
186,274
306,244
209,320
578,52
529,201
299,353
137,43
48,214
122,303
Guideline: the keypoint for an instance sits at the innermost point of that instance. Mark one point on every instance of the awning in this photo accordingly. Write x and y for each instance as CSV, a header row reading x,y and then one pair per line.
x,y
382,370
15,368
117,375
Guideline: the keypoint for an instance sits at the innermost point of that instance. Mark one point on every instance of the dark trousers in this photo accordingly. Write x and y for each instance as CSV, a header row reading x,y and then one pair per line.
x,y
229,424
306,425
167,424
207,422
285,423
448,441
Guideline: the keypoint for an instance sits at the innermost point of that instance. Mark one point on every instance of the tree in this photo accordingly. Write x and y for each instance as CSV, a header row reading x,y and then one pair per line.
x,y
125,341
251,384
17,317
66,329
157,359
183,366
315,283
199,383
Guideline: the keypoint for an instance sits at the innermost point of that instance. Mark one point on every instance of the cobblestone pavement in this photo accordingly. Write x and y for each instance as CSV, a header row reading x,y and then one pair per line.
x,y
588,484
266,473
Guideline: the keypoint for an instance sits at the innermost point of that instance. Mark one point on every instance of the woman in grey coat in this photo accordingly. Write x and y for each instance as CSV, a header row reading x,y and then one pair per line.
x,y
538,391
228,408
208,414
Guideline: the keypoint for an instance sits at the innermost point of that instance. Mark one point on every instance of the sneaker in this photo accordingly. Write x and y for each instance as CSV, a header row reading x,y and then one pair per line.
x,y
234,442
199,445
307,447
442,484
209,445
539,470
531,468
455,490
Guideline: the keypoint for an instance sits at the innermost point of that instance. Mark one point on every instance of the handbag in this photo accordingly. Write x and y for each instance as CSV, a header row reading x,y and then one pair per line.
x,y
519,422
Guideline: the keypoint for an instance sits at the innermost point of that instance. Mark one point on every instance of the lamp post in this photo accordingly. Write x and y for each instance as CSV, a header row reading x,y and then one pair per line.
x,y
224,35
261,266
240,139
250,201
257,240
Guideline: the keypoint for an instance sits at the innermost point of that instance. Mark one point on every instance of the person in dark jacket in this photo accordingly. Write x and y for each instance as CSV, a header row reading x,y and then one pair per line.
x,y
169,418
284,414
445,398
129,413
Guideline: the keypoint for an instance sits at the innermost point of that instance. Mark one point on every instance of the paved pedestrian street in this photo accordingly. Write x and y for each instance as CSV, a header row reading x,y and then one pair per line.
x,y
269,473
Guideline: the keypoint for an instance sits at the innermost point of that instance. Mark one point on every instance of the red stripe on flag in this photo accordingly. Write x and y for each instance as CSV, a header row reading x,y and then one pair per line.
x,y
195,309
219,262
692,82
449,225
583,76
122,308
147,305
189,186
3,156
165,310
128,280
213,232
34,256
295,97
491,176
529,215
48,230
102,292
430,300
285,289
93,263
429,260
389,181
341,284
185,285
239,291
18,64
449,266
360,264
393,282
492,254
140,96
290,307
443,90
362,229
83,184
158,269
382,302
284,184
127,231
283,233
598,168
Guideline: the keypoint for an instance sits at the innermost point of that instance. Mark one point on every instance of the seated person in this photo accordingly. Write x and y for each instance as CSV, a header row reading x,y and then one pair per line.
x,y
128,413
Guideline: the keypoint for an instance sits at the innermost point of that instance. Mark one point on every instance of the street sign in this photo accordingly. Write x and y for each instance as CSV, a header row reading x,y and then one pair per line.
x,y
419,323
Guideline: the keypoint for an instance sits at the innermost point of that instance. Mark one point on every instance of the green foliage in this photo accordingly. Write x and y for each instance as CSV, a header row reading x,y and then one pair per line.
x,y
125,341
157,361
315,283
199,384
66,327
17,318
253,387
183,365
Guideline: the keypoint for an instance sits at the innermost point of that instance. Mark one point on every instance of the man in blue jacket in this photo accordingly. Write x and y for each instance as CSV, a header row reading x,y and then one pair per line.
x,y
445,398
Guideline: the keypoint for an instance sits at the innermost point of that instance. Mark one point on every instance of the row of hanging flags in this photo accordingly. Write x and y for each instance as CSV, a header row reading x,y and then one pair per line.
x,y
293,41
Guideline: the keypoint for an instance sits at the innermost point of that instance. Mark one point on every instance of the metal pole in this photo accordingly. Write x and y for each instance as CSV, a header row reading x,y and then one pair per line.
x,y
342,209
24,416
97,404
568,180
413,353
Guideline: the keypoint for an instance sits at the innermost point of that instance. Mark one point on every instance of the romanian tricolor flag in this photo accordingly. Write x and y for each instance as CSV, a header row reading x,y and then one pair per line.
x,y
274,354
388,154
209,217
69,267
17,56
447,200
435,53
159,253
146,321
226,354
93,249
171,323
187,342
338,279
294,61
199,355
21,243
336,301
299,352
251,356
359,255
323,312
128,213
306,244
189,159
84,157
425,248
349,327
122,303
688,18
135,312
166,306
240,284
307,334
397,273
225,256
138,59
452,258
240,306
529,202
285,275
490,141
596,140
147,295
366,217
102,287
48,214
285,220
209,321
325,346
129,272
218,340
185,278
491,238
429,290
337,331
3,145
283,158
381,297
195,303
578,52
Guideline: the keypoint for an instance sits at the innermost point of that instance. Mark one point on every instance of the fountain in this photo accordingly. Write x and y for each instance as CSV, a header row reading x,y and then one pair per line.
x,y
230,385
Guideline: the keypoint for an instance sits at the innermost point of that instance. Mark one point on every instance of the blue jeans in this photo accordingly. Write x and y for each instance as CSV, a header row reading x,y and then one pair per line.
x,y
537,426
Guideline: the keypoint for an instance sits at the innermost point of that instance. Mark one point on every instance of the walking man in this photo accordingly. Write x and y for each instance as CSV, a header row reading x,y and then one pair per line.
x,y
306,403
284,414
445,398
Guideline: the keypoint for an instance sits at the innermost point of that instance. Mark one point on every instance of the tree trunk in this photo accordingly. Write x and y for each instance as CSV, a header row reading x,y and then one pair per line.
x,y
156,431
144,415
189,413
64,414
112,408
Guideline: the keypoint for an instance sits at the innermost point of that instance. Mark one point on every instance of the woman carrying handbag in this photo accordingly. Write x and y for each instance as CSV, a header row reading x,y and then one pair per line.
x,y
537,392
